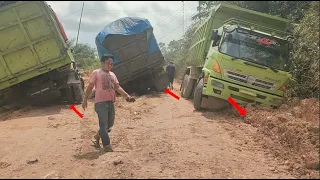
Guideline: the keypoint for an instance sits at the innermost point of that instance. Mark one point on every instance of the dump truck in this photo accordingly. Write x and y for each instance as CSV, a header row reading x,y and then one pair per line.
x,y
35,62
138,62
239,54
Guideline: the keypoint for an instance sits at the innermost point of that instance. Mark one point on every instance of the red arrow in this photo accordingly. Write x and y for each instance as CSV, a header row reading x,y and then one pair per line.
x,y
76,111
171,93
242,112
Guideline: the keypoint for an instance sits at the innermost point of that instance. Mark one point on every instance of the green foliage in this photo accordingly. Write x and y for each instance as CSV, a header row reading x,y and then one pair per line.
x,y
203,9
177,50
305,68
293,10
84,55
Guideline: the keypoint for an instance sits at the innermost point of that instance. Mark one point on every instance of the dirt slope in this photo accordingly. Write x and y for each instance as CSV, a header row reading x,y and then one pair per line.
x,y
155,137
291,134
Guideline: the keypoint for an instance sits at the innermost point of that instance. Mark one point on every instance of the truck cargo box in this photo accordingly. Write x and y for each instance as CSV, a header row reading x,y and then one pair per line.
x,y
35,61
32,41
132,42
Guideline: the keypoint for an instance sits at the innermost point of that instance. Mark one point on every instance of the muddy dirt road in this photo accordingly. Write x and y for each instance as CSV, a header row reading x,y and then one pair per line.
x,y
155,137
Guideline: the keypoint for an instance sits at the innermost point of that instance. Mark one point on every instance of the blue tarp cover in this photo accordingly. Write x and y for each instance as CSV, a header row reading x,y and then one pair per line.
x,y
4,3
125,26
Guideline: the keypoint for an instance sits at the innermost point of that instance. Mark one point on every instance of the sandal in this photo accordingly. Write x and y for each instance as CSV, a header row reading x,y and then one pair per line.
x,y
96,143
108,148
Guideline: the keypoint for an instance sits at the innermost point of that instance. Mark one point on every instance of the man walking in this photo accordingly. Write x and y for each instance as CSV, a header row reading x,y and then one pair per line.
x,y
105,83
171,72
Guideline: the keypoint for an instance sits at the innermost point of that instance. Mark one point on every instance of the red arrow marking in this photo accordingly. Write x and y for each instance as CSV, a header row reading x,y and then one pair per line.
x,y
76,111
242,112
167,91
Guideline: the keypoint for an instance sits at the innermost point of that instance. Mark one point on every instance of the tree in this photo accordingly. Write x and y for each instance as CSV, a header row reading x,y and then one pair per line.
x,y
203,9
293,10
177,50
84,55
163,49
305,67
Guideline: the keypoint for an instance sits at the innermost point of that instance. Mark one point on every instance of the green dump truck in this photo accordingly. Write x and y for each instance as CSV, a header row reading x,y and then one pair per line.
x,y
240,54
35,62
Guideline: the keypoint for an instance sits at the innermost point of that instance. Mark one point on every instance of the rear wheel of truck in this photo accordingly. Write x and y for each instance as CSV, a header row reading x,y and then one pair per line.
x,y
161,82
184,82
198,95
187,86
75,94
82,84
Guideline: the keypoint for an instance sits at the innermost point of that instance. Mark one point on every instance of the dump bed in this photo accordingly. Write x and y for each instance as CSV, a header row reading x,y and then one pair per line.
x,y
132,42
222,13
32,41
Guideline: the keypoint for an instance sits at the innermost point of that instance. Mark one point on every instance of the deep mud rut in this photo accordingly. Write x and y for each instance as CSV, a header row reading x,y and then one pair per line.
x,y
155,137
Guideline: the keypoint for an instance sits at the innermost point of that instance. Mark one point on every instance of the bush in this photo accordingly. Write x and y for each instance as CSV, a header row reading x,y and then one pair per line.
x,y
305,69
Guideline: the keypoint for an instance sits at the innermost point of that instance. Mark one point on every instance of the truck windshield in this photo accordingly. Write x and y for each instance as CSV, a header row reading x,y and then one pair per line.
x,y
256,48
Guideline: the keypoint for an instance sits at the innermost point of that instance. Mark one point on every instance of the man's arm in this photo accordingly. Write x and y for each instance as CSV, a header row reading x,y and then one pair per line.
x,y
122,92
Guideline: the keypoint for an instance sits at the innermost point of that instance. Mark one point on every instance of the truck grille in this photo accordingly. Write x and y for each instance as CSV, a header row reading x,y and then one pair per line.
x,y
248,79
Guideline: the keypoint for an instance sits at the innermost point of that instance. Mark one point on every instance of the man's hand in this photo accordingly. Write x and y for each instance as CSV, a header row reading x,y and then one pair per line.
x,y
125,95
84,105
130,99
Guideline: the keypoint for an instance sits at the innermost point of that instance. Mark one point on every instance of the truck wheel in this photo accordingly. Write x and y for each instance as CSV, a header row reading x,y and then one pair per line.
x,y
78,93
75,94
161,82
82,84
198,95
183,84
188,84
5,96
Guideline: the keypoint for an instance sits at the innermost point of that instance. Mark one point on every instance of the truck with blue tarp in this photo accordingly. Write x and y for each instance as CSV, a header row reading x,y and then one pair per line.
x,y
138,61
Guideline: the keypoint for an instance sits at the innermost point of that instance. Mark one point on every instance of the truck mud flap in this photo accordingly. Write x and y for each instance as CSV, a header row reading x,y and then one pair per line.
x,y
73,79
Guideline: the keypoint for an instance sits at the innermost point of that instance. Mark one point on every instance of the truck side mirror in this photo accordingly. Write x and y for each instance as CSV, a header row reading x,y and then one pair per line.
x,y
214,35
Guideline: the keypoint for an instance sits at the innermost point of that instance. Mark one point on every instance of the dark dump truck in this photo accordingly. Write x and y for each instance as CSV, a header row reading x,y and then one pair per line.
x,y
138,60
35,62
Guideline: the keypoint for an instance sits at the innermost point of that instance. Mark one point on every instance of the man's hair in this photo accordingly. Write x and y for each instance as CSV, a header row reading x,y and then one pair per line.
x,y
171,62
106,56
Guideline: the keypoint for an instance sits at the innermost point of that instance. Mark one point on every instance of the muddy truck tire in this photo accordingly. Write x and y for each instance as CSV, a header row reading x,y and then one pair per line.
x,y
187,86
5,96
198,95
161,82
75,94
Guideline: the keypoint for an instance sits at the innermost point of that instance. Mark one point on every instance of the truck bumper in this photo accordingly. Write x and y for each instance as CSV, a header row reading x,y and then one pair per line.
x,y
242,95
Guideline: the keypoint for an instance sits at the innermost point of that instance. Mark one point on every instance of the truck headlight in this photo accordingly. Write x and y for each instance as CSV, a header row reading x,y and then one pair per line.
x,y
217,84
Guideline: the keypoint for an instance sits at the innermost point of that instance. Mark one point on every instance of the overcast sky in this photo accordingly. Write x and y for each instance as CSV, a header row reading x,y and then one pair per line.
x,y
165,17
